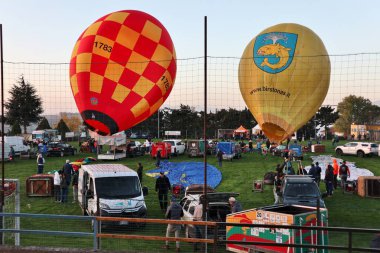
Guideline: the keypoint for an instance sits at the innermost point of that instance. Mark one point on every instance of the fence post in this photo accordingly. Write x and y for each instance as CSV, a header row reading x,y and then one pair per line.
x,y
350,241
215,246
95,229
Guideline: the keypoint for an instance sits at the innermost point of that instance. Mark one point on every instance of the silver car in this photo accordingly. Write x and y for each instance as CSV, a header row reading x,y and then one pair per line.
x,y
218,208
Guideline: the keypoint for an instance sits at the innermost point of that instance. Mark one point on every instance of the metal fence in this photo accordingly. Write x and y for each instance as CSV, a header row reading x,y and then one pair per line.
x,y
69,235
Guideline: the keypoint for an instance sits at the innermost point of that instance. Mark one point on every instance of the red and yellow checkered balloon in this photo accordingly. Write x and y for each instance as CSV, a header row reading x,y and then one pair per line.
x,y
122,69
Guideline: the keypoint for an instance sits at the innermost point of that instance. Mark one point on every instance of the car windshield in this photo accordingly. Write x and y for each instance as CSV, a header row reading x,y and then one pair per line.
x,y
118,187
301,190
171,142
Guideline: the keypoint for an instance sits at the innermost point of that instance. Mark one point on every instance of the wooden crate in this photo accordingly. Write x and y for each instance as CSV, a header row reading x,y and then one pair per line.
x,y
40,185
369,187
318,148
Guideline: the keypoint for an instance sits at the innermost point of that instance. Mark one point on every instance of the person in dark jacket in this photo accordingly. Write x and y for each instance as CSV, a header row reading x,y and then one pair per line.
x,y
313,172
66,178
75,186
140,172
158,158
318,173
329,179
162,188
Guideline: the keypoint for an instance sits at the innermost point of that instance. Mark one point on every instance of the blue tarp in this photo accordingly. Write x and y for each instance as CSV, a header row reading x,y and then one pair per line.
x,y
188,173
226,147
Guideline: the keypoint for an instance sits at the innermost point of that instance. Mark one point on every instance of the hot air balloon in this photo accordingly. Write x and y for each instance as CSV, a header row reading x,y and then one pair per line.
x,y
284,76
122,69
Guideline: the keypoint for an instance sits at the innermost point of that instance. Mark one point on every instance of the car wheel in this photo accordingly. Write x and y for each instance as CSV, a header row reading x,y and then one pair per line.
x,y
360,153
339,152
61,154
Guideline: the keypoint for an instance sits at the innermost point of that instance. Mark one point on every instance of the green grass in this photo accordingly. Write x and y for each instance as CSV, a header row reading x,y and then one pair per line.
x,y
345,210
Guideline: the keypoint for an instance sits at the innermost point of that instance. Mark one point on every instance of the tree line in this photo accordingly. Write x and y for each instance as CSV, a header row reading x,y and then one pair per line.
x,y
24,107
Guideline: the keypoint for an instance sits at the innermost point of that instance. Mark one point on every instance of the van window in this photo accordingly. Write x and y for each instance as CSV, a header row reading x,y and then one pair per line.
x,y
374,145
118,187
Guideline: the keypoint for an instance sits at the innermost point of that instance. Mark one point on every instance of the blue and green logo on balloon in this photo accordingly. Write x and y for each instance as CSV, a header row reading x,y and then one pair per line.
x,y
273,52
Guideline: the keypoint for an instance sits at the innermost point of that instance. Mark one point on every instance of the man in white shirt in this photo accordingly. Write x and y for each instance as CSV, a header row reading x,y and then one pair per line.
x,y
57,186
198,215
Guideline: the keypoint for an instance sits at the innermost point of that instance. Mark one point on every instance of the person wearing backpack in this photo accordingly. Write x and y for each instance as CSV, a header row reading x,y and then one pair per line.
x,y
344,172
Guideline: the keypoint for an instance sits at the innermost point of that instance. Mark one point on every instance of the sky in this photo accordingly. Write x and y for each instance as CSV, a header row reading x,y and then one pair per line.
x,y
45,31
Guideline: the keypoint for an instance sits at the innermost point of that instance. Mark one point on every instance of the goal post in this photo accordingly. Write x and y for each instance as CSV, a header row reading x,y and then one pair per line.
x,y
11,205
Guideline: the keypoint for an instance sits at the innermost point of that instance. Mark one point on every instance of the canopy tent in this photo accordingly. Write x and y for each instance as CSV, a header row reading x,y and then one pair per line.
x,y
241,132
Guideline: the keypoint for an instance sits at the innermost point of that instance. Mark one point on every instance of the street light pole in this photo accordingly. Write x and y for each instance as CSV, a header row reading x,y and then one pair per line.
x,y
158,124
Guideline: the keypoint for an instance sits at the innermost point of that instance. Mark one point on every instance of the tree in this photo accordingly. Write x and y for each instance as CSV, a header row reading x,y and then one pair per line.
x,y
72,120
62,128
16,129
43,124
24,105
326,116
354,110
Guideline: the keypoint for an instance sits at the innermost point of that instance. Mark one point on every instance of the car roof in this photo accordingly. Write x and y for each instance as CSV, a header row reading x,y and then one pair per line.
x,y
298,179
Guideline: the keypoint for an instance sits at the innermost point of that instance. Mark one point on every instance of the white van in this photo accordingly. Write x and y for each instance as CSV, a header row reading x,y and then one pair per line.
x,y
114,188
7,152
17,142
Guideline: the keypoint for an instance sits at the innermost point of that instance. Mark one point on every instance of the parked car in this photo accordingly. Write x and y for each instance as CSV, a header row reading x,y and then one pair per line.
x,y
177,148
218,208
360,149
300,190
134,148
60,149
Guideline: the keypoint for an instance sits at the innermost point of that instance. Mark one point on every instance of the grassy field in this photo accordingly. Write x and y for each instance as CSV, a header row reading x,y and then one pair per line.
x,y
345,210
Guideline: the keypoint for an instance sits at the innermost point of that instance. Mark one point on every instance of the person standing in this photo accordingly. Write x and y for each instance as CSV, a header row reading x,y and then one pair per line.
x,y
250,146
277,186
329,179
57,185
75,186
344,172
158,158
162,188
67,172
268,144
140,172
336,172
318,173
40,164
174,212
198,216
313,172
219,156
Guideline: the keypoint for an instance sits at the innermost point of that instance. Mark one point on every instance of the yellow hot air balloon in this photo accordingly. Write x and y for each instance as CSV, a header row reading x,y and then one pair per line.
x,y
284,75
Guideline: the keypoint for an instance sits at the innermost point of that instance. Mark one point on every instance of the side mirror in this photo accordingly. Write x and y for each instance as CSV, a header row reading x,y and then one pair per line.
x,y
145,190
279,194
324,195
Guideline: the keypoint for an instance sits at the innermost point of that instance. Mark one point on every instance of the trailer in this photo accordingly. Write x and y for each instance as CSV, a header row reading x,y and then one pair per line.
x,y
117,145
277,215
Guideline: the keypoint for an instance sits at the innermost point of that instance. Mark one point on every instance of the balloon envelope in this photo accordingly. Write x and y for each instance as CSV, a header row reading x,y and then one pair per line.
x,y
122,69
284,76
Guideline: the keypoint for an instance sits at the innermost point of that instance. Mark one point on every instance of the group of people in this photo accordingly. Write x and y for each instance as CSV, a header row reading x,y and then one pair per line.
x,y
174,211
331,176
62,180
